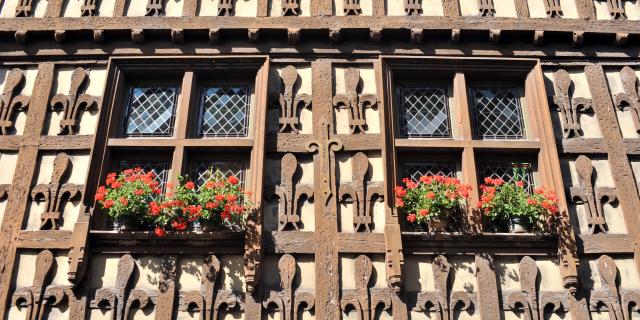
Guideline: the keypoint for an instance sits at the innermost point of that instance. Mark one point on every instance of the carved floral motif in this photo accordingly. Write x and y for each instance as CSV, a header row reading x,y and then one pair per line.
x,y
287,301
155,8
553,9
290,102
24,8
289,193
609,297
569,108
290,7
486,8
73,102
326,147
616,9
88,8
226,7
209,299
593,198
362,299
362,193
355,102
11,101
630,98
352,7
413,7
55,193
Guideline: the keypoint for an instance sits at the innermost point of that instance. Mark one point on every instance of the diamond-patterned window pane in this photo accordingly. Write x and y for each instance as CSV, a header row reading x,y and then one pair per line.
x,y
224,111
425,112
159,168
497,112
508,172
415,170
204,171
151,111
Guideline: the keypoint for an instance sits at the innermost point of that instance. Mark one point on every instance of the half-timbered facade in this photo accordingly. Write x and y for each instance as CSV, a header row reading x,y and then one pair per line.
x,y
320,107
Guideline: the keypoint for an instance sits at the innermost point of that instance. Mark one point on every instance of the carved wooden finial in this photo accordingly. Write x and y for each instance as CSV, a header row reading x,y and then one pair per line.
x,y
442,301
73,102
362,299
290,102
226,7
527,297
616,9
630,98
55,193
355,102
120,298
609,295
351,7
11,101
569,108
289,193
362,193
290,7
287,301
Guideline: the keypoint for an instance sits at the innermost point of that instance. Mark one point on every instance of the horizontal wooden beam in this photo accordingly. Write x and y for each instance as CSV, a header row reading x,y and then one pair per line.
x,y
82,142
45,239
304,242
291,142
493,243
187,143
145,242
605,243
322,22
461,144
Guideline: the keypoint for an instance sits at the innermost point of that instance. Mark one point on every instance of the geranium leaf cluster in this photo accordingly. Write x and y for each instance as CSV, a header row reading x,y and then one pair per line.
x,y
128,193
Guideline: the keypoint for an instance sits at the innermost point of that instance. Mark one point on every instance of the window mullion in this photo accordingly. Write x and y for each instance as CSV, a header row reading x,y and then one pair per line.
x,y
182,121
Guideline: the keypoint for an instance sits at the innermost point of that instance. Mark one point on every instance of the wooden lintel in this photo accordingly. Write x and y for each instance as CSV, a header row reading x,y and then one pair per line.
x,y
461,144
187,143
45,239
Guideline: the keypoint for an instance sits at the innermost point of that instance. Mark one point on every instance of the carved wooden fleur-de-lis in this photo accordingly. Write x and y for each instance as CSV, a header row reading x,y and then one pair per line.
x,y
326,147
364,300
568,107
122,298
73,102
289,193
24,7
209,300
11,101
287,301
616,9
88,8
486,8
362,193
442,301
225,7
630,98
290,102
290,7
609,295
55,193
412,7
155,8
38,296
553,9
352,7
355,102
592,198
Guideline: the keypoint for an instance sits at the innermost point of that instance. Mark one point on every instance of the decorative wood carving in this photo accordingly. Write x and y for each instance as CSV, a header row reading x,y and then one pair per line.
x,y
621,38
417,35
363,299
291,102
226,7
24,7
363,194
375,35
569,108
209,299
137,35
177,35
553,9
166,288
355,102
38,296
59,36
616,9
11,100
486,8
442,301
326,147
287,301
73,102
55,193
293,36
351,7
335,35
609,297
413,7
630,98
120,299
593,198
4,190
88,8
290,7
155,8
289,193
79,248
577,38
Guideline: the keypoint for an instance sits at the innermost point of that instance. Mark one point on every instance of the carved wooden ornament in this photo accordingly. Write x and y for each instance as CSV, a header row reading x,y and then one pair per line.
x,y
352,7
617,304
355,102
11,102
4,190
209,299
89,8
226,7
72,103
486,8
413,7
290,102
593,198
55,193
326,147
290,193
24,8
616,9
155,8
553,9
569,108
290,7
287,301
363,299
38,296
442,301
630,98
362,193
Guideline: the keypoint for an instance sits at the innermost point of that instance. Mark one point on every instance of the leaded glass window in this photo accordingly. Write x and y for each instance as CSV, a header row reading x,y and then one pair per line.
x,y
497,113
224,111
159,168
151,111
415,170
508,172
203,171
424,112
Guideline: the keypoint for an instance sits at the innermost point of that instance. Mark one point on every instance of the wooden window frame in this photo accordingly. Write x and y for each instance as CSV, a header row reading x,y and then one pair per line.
x,y
538,144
